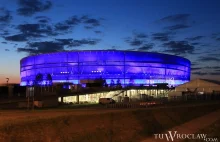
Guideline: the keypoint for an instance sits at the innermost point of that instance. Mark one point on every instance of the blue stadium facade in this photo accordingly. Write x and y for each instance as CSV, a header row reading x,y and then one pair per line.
x,y
128,67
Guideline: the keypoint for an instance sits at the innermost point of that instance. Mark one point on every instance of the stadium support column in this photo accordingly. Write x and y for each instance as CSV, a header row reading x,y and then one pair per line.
x,y
78,69
124,69
61,99
67,67
165,74
77,89
77,98
124,76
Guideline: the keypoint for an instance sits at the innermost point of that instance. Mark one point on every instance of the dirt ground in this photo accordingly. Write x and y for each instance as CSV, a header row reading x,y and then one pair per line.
x,y
17,116
14,116
192,127
94,125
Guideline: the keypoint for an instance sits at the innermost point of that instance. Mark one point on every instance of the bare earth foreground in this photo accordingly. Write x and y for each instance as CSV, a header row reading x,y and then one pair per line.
x,y
102,125
191,127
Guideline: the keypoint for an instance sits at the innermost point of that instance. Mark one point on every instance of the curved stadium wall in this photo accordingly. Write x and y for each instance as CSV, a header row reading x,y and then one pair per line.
x,y
128,67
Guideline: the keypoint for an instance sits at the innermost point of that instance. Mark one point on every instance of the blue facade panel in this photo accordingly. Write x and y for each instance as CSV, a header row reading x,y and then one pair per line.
x,y
127,66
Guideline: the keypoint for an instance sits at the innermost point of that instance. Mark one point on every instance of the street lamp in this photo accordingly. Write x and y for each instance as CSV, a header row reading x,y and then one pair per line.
x,y
7,81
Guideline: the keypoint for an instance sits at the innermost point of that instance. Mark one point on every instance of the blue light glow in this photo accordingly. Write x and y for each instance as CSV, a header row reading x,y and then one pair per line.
x,y
129,67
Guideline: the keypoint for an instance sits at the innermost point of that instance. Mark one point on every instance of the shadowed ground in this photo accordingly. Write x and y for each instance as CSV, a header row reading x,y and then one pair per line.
x,y
192,127
95,125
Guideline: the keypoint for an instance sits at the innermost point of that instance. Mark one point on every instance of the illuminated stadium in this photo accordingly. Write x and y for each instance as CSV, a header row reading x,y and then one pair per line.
x,y
126,67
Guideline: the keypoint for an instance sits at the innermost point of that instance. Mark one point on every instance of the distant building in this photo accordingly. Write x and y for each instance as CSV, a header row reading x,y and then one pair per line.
x,y
12,90
196,88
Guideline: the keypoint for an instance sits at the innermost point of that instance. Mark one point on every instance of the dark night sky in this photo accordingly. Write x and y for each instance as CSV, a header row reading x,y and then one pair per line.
x,y
188,28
